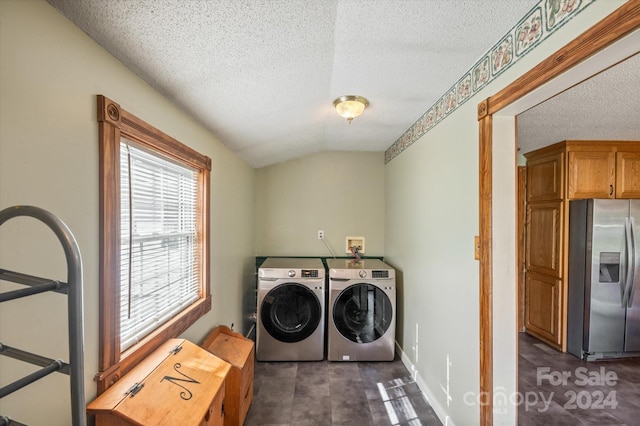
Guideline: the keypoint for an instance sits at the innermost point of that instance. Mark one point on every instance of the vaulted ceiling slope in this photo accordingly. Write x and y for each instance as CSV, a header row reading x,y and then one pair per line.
x,y
262,74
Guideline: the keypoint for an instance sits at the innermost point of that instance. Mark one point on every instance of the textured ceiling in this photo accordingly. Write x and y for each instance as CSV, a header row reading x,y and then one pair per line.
x,y
607,106
262,74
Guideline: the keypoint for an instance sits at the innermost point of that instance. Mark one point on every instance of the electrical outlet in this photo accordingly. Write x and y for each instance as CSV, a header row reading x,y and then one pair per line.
x,y
320,235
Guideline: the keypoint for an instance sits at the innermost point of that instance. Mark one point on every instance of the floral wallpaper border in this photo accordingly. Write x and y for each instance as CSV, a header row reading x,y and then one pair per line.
x,y
542,21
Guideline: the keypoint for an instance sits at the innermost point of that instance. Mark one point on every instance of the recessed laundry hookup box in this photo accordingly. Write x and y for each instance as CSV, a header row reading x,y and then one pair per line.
x,y
178,384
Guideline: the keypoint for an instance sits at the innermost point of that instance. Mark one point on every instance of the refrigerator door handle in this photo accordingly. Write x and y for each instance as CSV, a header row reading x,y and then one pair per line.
x,y
628,263
635,261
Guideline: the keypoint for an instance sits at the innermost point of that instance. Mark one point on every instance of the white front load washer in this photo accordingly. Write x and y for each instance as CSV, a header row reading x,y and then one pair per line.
x,y
291,301
361,310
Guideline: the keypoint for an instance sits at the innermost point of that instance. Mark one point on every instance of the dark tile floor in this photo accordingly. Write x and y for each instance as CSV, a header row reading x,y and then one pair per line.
x,y
337,393
560,389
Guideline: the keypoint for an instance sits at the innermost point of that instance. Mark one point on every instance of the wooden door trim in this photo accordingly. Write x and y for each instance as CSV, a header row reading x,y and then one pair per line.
x,y
621,22
486,279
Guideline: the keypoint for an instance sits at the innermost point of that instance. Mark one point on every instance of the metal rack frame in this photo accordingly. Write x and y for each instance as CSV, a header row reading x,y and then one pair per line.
x,y
75,311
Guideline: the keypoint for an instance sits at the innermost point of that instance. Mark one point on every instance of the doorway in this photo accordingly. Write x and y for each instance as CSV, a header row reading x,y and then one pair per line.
x,y
585,56
588,111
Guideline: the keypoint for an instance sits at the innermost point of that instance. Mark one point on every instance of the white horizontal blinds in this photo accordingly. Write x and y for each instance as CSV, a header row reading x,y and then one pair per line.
x,y
159,272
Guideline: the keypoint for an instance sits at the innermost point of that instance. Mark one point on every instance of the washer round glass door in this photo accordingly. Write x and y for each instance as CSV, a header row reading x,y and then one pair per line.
x,y
362,313
290,312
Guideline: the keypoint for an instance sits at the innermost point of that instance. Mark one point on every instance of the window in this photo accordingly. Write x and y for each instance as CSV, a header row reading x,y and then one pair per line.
x,y
159,259
154,195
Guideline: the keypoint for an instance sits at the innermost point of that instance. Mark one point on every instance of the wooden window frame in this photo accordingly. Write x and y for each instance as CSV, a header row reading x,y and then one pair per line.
x,y
114,123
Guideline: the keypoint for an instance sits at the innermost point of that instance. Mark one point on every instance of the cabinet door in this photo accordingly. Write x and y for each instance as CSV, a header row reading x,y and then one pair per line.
x,y
544,238
215,413
543,308
628,175
591,174
545,178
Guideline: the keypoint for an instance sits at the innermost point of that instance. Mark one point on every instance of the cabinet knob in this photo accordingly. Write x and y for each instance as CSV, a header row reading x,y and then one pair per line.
x,y
610,189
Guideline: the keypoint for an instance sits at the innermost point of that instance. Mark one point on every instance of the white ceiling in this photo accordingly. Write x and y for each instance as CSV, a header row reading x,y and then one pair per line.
x,y
604,107
262,74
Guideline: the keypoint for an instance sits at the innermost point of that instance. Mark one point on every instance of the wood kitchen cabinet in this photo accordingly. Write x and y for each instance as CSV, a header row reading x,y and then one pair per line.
x,y
556,174
591,174
545,177
627,174
178,384
603,169
544,239
542,318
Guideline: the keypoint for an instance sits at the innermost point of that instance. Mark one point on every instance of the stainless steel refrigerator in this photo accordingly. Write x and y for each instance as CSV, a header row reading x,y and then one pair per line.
x,y
603,311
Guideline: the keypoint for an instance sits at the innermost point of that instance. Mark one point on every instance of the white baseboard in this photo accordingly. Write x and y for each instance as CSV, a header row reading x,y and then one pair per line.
x,y
439,409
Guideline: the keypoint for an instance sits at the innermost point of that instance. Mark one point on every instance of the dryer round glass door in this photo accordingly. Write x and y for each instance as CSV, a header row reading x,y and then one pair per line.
x,y
362,313
290,312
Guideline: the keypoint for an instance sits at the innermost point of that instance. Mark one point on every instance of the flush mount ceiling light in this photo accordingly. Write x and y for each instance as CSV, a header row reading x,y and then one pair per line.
x,y
350,106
